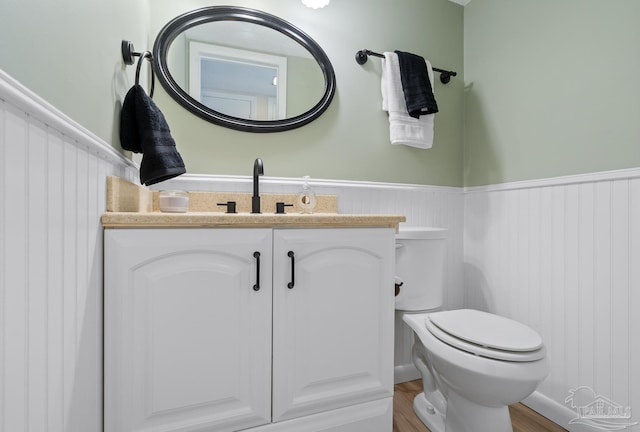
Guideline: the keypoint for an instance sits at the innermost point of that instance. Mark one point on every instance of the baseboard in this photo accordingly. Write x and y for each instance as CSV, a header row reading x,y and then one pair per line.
x,y
404,373
557,413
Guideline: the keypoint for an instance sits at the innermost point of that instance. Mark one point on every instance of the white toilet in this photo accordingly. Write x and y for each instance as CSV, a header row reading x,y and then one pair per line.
x,y
473,364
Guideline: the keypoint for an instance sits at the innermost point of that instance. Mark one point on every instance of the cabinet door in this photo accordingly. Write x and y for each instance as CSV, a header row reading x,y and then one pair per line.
x,y
333,330
187,338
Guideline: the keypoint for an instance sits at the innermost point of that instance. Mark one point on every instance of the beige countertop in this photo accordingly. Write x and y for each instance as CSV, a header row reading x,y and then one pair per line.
x,y
246,220
134,206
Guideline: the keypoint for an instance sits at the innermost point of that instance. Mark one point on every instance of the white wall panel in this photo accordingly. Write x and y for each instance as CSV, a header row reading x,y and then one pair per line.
x,y
52,191
562,258
634,294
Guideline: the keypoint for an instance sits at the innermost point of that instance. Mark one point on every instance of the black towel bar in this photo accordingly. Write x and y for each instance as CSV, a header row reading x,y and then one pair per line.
x,y
363,55
128,53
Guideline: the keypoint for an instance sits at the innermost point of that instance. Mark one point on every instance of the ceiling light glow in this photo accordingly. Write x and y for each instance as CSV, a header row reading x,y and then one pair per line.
x,y
315,4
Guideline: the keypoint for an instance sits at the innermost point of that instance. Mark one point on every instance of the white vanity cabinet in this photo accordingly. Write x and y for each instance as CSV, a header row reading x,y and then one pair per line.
x,y
333,326
187,338
191,344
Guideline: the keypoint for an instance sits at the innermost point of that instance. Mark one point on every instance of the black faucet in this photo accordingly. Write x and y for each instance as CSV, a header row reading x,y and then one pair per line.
x,y
255,199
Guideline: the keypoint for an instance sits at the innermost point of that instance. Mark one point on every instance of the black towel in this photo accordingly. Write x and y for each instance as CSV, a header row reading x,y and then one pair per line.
x,y
418,93
143,129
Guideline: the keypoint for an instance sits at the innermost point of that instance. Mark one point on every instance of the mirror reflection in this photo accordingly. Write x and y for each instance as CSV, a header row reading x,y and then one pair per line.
x,y
245,70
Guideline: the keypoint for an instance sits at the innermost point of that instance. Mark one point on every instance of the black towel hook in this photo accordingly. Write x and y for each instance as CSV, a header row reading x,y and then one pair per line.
x,y
363,55
128,53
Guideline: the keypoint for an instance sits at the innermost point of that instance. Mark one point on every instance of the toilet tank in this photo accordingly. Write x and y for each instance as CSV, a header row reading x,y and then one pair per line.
x,y
420,266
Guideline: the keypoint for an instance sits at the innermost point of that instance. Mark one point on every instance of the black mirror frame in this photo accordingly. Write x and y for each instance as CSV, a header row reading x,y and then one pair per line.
x,y
231,13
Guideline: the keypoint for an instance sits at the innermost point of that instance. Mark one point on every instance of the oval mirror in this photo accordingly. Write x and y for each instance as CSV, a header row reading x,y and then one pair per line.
x,y
244,69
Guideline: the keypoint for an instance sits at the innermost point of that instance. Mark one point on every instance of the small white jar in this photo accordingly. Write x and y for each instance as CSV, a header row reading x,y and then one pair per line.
x,y
173,201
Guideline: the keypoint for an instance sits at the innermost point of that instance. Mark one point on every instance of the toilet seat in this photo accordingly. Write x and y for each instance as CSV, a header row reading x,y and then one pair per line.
x,y
486,335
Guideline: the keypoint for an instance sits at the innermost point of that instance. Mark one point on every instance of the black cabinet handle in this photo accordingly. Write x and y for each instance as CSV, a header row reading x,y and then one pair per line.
x,y
291,284
256,255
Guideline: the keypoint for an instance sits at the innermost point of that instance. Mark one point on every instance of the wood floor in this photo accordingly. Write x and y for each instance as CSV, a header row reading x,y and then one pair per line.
x,y
523,418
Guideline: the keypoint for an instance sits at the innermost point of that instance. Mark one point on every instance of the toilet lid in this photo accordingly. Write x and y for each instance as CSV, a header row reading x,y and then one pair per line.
x,y
486,335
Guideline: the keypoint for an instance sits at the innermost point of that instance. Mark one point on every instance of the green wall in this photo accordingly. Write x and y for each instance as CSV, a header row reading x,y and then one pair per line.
x,y
351,139
68,52
552,88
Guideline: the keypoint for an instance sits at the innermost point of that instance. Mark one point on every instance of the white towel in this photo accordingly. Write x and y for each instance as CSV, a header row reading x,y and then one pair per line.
x,y
403,129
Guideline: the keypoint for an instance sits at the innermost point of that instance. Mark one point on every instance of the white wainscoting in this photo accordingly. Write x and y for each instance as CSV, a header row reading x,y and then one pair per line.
x,y
52,192
563,256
